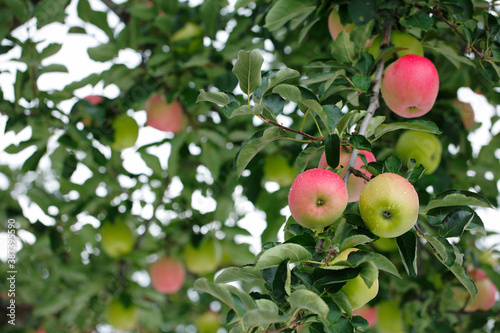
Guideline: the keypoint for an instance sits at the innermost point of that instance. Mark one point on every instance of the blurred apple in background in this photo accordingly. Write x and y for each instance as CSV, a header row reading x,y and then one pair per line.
x,y
389,205
126,132
204,258
164,116
117,238
466,113
398,39
389,318
367,312
94,99
486,292
385,244
335,26
167,275
354,184
208,322
317,198
277,169
425,148
120,316
410,86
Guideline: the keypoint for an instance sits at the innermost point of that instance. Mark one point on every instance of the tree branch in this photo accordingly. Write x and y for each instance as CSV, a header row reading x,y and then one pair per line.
x,y
122,15
374,100
269,121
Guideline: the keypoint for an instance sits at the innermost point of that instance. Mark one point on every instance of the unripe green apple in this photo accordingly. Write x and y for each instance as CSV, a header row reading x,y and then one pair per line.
x,y
425,148
317,198
117,238
356,290
126,132
354,184
410,86
277,169
167,275
486,291
203,259
121,317
389,205
335,26
389,318
367,312
385,244
208,322
398,39
163,116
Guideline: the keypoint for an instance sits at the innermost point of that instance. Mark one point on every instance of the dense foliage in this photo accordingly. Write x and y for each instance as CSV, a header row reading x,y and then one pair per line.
x,y
264,91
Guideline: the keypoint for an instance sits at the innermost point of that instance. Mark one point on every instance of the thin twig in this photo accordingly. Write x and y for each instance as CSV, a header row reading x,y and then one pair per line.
x,y
374,100
269,121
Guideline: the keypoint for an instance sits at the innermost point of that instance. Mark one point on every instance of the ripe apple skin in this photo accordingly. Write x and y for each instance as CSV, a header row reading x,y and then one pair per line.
x,y
367,312
354,184
486,290
208,322
94,99
126,132
389,205
335,26
203,259
398,39
121,317
117,239
317,198
425,148
410,86
163,116
277,169
389,318
167,275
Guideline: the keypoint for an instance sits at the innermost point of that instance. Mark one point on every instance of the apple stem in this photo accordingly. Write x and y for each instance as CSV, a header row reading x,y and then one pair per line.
x,y
374,100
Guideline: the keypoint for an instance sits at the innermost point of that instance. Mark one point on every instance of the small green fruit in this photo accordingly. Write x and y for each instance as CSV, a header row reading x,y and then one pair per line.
x,y
121,317
277,169
203,259
117,238
208,322
126,132
398,39
425,148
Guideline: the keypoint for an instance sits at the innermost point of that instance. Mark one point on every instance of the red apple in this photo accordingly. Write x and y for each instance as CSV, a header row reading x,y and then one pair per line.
x,y
335,26
164,116
367,312
167,275
354,184
317,198
486,290
410,86
93,99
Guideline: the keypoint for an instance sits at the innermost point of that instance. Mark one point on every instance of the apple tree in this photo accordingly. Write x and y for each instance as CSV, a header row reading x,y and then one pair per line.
x,y
341,124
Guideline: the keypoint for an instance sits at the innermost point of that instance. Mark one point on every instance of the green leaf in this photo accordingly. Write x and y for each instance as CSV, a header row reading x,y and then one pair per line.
x,y
217,290
282,75
384,264
245,110
362,82
285,10
443,249
333,114
103,52
332,150
369,273
50,50
416,125
288,92
407,245
457,198
306,299
52,68
305,156
343,48
31,162
421,20
360,142
393,164
247,70
354,241
466,281
258,317
455,223
219,98
232,274
362,11
361,34
280,253
274,103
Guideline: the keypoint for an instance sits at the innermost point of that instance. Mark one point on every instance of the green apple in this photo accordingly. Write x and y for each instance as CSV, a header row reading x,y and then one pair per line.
x,y
126,132
167,275
425,148
389,318
208,322
389,205
356,290
205,258
398,39
121,317
277,169
367,312
486,292
385,244
354,184
335,26
164,116
117,238
410,86
317,198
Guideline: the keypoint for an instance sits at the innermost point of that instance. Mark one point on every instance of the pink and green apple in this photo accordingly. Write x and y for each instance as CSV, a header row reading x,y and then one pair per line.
x,y
486,292
317,198
389,205
335,26
367,312
425,148
354,184
410,86
164,116
398,39
167,275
